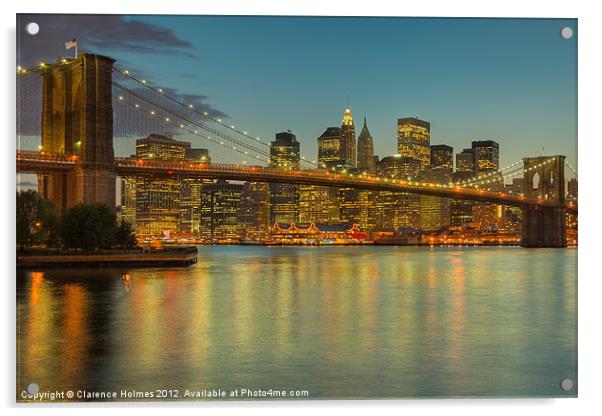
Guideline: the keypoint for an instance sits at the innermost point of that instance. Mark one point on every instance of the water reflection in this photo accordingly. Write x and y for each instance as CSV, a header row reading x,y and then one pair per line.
x,y
340,322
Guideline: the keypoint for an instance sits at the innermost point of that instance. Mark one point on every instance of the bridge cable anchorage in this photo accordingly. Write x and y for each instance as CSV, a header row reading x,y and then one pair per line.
x,y
189,120
205,114
192,131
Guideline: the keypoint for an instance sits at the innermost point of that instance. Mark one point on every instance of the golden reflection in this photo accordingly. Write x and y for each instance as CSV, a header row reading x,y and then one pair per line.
x,y
75,327
37,337
199,336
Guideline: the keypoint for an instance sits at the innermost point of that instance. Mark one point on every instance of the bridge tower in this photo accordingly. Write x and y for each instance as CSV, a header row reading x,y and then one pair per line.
x,y
77,119
544,226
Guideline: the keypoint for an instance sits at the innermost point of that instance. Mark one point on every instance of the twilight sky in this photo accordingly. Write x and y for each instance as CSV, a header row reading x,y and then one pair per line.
x,y
511,80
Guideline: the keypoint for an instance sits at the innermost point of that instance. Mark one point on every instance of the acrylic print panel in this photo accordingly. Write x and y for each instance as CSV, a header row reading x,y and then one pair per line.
x,y
295,208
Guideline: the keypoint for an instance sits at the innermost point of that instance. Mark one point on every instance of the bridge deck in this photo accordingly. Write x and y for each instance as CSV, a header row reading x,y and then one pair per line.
x,y
36,162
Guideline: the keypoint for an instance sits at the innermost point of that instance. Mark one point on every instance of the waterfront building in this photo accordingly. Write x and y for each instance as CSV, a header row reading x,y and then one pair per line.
x,y
442,156
460,210
284,198
189,223
348,144
314,204
219,210
157,201
357,207
253,215
434,210
365,150
315,233
394,210
414,139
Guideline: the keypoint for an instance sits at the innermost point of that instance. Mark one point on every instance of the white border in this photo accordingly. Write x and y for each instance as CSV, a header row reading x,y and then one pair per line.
x,y
590,293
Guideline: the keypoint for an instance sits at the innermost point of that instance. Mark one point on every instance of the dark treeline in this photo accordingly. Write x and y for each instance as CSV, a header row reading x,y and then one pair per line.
x,y
87,227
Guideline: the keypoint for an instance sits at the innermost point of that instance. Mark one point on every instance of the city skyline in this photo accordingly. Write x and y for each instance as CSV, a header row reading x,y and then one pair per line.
x,y
501,84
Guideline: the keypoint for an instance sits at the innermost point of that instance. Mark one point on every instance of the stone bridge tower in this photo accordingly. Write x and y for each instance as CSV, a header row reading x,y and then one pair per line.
x,y
544,226
77,119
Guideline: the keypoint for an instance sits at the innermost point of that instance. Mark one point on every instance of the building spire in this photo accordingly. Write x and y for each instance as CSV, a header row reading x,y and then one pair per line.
x,y
365,132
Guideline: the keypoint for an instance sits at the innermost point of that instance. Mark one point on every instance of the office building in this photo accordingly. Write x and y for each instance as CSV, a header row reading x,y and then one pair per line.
x,y
414,139
284,198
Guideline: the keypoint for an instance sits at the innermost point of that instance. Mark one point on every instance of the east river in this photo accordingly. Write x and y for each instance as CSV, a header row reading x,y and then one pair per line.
x,y
335,322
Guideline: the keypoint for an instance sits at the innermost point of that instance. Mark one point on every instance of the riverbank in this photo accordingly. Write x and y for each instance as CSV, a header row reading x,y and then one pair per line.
x,y
171,256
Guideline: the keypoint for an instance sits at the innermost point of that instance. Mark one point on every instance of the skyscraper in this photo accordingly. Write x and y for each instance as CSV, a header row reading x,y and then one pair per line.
x,y
365,150
486,156
465,162
157,201
189,222
284,198
394,210
314,204
414,139
348,139
442,156
253,214
219,208
329,149
434,210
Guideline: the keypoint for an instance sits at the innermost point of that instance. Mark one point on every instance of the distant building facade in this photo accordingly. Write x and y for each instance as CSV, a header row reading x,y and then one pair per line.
x,y
414,139
284,198
219,211
365,150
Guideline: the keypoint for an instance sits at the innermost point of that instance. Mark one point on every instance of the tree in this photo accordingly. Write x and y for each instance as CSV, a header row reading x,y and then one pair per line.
x,y
125,236
37,222
88,227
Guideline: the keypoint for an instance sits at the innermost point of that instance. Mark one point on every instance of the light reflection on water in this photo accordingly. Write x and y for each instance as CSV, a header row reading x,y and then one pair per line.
x,y
341,322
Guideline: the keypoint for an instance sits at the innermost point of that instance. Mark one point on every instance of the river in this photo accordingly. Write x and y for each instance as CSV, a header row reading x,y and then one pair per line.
x,y
337,322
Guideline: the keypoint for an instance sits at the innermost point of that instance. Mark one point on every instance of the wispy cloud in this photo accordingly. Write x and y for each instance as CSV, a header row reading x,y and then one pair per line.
x,y
95,33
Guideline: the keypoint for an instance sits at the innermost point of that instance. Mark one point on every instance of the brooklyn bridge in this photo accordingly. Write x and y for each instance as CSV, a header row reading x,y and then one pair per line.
x,y
76,160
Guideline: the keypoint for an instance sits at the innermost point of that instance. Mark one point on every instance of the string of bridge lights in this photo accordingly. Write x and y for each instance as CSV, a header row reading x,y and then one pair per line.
x,y
512,174
194,122
144,83
472,182
168,121
468,182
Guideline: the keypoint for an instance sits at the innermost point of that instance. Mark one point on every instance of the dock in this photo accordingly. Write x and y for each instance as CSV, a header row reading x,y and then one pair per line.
x,y
172,256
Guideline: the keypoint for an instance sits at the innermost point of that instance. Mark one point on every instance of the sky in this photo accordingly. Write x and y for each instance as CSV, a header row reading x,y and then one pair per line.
x,y
510,80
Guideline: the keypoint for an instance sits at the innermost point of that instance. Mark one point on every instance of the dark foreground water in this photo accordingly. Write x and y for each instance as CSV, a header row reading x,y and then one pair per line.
x,y
339,322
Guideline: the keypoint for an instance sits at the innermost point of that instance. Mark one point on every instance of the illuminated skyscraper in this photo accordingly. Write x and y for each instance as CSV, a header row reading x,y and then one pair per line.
x,y
190,202
158,199
284,198
460,209
329,149
160,206
486,156
394,210
314,204
253,215
442,156
219,208
465,162
434,210
365,150
348,139
414,139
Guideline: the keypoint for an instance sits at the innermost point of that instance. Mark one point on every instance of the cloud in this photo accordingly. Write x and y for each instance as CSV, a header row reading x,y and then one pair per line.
x,y
96,34
110,35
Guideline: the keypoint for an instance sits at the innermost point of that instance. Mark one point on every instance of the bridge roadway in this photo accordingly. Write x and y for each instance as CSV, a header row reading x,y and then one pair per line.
x,y
37,162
